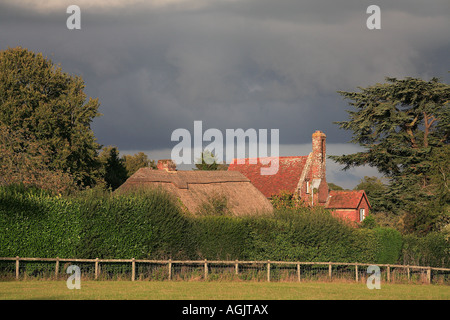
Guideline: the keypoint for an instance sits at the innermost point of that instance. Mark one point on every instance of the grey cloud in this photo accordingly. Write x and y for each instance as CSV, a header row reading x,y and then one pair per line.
x,y
233,64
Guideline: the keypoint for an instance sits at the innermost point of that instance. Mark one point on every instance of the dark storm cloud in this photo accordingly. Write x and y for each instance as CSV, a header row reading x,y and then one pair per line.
x,y
233,64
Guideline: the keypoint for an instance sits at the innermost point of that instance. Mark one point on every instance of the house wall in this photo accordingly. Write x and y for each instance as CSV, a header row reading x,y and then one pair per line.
x,y
364,205
347,214
353,214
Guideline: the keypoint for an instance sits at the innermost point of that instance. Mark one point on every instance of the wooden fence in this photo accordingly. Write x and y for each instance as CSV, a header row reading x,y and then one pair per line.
x,y
134,269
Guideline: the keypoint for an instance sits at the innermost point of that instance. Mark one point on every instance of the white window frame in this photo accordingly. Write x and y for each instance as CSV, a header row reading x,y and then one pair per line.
x,y
362,214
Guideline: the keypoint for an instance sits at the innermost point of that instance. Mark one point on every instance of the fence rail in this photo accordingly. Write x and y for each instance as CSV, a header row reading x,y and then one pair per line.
x,y
141,269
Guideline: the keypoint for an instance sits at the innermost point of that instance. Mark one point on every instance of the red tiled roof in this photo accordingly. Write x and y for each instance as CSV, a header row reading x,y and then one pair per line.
x,y
286,179
345,199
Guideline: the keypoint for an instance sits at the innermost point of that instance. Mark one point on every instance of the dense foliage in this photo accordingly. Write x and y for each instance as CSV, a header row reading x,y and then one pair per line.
x,y
404,127
151,225
134,162
93,224
45,129
113,169
208,161
41,103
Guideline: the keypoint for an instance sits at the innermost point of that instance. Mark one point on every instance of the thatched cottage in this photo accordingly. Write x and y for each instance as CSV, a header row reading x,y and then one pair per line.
x,y
248,191
195,188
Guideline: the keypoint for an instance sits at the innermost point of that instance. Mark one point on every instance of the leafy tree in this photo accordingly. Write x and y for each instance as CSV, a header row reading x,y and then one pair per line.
x,y
50,106
134,162
24,162
369,222
113,168
209,162
433,213
375,190
439,174
286,200
404,127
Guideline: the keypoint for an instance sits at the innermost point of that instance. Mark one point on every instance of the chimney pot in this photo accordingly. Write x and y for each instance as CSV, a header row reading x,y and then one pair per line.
x,y
167,165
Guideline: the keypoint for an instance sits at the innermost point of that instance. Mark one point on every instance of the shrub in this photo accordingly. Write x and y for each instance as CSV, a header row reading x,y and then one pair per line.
x,y
215,205
286,200
142,225
220,237
300,234
378,245
151,224
369,222
34,223
430,250
390,245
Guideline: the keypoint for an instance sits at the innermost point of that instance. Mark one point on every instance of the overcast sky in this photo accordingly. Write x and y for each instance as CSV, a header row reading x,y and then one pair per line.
x,y
266,64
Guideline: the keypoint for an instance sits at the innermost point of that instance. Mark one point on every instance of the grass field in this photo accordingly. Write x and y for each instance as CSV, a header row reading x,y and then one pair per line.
x,y
154,290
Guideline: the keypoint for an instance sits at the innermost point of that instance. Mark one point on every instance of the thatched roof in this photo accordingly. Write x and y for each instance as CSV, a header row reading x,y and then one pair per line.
x,y
194,188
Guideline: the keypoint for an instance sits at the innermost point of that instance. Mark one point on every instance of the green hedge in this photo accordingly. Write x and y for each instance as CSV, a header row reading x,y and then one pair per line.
x,y
430,250
34,224
220,237
378,245
152,225
299,235
139,226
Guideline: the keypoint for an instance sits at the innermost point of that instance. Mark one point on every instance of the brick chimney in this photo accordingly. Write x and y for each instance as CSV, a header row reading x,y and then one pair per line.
x,y
318,166
319,155
167,165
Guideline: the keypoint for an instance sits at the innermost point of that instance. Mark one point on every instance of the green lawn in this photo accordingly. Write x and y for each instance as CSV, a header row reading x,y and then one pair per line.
x,y
154,290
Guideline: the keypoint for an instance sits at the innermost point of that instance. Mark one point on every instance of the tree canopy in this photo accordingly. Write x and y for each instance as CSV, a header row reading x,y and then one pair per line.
x,y
397,122
403,126
375,190
134,162
40,102
209,162
113,169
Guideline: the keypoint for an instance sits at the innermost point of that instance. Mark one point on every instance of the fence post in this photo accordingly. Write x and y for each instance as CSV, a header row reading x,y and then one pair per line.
x,y
429,275
268,270
17,268
236,266
57,267
298,271
170,269
96,268
206,270
408,272
329,270
388,273
133,269
356,273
